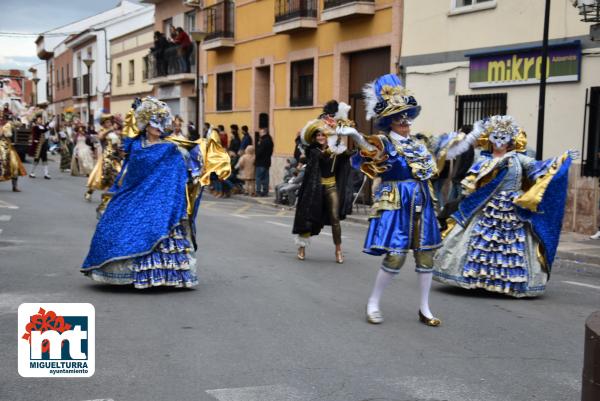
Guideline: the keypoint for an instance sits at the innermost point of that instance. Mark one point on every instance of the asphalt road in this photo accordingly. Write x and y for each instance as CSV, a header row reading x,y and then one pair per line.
x,y
263,326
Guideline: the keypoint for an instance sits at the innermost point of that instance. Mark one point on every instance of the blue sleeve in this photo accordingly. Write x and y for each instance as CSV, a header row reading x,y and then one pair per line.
x,y
194,162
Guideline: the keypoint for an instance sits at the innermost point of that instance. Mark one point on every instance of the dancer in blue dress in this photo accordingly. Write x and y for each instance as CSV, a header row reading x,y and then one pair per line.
x,y
504,235
403,215
146,236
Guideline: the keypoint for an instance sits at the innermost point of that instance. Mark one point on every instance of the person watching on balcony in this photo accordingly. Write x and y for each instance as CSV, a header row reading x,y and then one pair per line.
x,y
182,39
158,51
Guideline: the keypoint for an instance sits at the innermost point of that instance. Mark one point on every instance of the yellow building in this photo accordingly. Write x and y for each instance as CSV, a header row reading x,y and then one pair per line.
x,y
129,58
274,63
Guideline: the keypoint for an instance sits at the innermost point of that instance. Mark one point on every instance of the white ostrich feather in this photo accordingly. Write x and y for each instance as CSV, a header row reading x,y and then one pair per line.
x,y
343,111
302,241
370,100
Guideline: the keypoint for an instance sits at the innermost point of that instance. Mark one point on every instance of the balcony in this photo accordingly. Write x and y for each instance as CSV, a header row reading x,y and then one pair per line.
x,y
338,10
295,15
219,23
170,67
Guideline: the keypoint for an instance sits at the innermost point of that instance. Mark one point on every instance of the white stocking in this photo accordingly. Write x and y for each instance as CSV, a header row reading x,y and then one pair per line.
x,y
425,286
35,164
46,170
382,280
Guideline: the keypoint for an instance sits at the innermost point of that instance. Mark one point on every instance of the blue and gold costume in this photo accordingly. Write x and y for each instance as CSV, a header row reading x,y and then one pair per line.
x,y
403,214
146,236
504,235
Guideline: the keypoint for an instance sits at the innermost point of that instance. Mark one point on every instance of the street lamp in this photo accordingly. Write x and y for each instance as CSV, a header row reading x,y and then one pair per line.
x,y
88,63
35,80
35,97
198,37
542,98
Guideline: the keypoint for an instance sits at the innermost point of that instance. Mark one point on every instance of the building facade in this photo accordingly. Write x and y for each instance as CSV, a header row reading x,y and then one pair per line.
x,y
465,59
274,63
130,67
173,82
67,73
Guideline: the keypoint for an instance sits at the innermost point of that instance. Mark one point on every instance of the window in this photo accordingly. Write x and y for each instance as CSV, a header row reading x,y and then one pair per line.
x,y
472,108
131,72
145,68
119,74
460,6
68,76
190,21
302,83
224,91
62,76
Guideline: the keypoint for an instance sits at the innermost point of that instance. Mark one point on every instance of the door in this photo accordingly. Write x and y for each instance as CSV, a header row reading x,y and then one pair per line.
x,y
365,66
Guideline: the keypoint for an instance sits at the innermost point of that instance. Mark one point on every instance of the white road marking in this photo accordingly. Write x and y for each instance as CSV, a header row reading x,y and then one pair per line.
x,y
6,205
260,393
276,223
102,399
241,209
5,217
0,231
596,287
240,216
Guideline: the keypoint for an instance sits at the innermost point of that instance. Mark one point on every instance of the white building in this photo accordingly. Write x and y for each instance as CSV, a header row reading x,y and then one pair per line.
x,y
97,28
465,59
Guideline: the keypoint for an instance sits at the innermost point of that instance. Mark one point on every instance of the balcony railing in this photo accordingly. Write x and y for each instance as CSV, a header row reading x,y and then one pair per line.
x,y
290,9
335,3
171,61
218,20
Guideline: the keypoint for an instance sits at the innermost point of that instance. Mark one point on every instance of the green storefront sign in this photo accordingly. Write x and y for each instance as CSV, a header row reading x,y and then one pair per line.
x,y
522,66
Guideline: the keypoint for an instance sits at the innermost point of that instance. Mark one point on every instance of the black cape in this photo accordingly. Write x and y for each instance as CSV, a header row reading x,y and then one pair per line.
x,y
311,211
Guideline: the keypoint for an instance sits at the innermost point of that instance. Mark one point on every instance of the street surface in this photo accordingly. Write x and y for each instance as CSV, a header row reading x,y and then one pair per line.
x,y
263,326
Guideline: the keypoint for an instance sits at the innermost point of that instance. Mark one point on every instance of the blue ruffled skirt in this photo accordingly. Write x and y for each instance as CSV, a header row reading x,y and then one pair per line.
x,y
500,252
170,263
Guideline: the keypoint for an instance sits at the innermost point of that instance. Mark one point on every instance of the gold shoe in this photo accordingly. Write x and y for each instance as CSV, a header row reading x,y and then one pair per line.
x,y
301,253
374,317
433,322
339,258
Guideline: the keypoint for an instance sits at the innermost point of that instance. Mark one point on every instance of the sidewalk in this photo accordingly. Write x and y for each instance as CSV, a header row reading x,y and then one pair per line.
x,y
573,247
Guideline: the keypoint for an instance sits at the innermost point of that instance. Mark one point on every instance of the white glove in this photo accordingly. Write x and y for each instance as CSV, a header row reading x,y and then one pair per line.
x,y
346,131
574,154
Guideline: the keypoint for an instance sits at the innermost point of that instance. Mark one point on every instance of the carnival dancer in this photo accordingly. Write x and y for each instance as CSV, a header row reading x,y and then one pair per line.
x,y
108,165
403,214
146,237
82,162
64,140
39,144
325,196
10,162
503,237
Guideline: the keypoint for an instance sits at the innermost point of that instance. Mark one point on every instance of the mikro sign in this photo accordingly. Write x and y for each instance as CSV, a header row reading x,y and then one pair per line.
x,y
524,66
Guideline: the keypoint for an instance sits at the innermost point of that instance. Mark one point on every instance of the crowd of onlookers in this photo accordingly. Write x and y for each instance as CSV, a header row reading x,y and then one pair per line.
x,y
172,53
250,161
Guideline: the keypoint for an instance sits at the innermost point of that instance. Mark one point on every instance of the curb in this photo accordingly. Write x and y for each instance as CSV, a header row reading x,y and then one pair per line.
x,y
574,257
564,256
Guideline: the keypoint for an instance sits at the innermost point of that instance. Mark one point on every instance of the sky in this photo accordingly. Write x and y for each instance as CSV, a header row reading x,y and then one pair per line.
x,y
37,16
